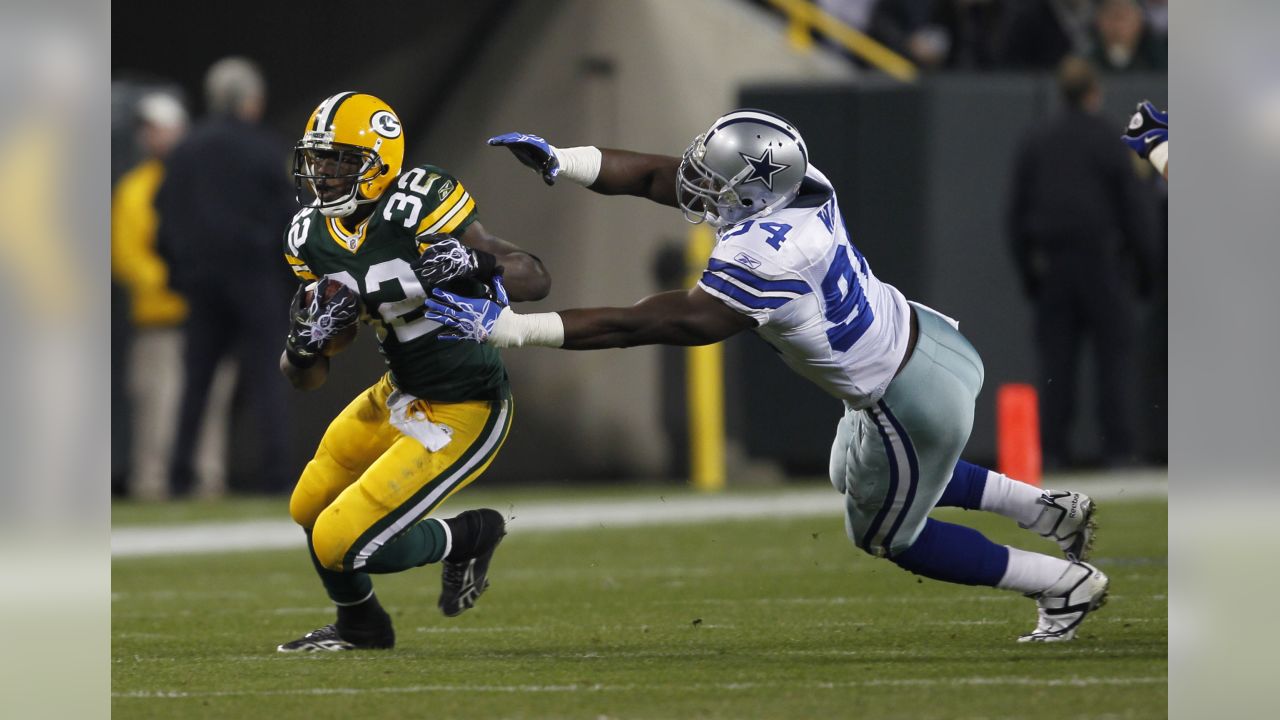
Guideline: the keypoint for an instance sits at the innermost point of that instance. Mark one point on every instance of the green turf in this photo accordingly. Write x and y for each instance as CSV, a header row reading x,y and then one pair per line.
x,y
246,507
740,619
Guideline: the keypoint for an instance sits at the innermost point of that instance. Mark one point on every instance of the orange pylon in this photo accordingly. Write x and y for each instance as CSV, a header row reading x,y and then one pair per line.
x,y
1018,432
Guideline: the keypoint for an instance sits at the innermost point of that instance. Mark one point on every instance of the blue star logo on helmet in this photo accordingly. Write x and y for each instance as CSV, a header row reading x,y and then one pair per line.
x,y
763,168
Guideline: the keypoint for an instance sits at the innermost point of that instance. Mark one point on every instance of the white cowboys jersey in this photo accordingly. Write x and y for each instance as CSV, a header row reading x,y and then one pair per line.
x,y
812,294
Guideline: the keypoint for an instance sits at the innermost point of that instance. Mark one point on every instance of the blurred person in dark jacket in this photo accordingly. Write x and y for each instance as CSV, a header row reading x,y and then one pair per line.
x,y
1040,33
225,200
1124,42
1081,229
935,34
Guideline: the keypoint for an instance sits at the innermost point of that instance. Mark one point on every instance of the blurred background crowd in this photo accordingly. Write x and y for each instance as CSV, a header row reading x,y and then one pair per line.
x,y
990,183
941,35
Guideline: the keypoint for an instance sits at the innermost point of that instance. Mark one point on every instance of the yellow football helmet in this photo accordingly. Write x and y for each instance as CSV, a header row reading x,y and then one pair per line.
x,y
352,149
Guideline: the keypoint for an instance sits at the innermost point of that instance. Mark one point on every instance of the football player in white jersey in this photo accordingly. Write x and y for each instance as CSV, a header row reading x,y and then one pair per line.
x,y
785,267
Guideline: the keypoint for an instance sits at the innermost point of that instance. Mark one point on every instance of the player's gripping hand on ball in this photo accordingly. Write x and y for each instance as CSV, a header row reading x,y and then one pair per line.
x,y
447,259
322,317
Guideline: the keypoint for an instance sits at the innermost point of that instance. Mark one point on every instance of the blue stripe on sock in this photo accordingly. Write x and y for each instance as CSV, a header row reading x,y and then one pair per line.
x,y
913,474
964,490
956,554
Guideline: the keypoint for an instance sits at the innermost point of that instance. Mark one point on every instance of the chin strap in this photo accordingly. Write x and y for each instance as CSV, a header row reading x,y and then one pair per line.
x,y
339,211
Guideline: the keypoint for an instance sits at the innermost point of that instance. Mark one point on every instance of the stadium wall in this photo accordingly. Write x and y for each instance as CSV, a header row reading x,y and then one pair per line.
x,y
923,172
642,75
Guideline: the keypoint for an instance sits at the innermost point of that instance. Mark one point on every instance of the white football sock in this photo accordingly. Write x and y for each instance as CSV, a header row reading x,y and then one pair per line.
x,y
1030,573
1011,498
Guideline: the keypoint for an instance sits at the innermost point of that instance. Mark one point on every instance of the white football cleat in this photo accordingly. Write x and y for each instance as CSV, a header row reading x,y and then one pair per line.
x,y
1064,605
1068,519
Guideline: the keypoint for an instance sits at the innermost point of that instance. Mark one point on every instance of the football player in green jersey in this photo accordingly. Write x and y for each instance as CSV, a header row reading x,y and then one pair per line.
x,y
373,241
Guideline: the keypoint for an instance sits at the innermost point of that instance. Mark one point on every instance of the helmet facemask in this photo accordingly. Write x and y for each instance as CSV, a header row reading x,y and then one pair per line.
x,y
700,191
329,176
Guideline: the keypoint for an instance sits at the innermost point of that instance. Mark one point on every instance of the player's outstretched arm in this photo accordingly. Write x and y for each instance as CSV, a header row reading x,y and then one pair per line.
x,y
679,317
623,172
606,171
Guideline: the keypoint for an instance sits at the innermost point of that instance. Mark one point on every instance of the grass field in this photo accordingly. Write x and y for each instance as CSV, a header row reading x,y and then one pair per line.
x,y
779,618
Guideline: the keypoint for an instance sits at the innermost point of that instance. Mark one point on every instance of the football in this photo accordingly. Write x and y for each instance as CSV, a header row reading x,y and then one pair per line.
x,y
339,342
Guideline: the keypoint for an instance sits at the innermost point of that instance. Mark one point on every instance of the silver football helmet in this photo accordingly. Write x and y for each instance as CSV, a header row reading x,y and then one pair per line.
x,y
748,164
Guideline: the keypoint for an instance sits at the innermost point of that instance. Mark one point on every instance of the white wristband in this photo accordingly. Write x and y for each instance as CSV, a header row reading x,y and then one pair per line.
x,y
1159,157
579,164
512,329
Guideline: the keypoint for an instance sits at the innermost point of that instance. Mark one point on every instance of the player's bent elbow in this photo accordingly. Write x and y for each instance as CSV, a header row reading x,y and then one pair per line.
x,y
540,288
304,378
289,371
536,285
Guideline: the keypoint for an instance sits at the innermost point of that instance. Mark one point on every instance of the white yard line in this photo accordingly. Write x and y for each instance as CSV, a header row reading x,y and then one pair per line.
x,y
548,516
1016,681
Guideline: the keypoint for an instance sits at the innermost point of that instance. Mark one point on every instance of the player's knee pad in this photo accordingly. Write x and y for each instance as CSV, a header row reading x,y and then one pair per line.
x,y
331,541
869,545
309,498
877,548
875,530
839,466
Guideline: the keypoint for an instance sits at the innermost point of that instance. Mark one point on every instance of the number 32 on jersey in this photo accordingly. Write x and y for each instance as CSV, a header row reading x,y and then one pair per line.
x,y
397,297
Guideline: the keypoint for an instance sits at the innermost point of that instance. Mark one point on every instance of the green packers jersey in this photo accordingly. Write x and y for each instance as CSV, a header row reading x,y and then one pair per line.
x,y
374,258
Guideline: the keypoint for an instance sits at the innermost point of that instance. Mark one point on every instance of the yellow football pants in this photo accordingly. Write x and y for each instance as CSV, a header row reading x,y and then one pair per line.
x,y
368,482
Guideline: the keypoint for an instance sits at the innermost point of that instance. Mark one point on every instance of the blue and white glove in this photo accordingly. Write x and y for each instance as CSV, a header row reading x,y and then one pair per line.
x,y
532,151
1148,129
467,318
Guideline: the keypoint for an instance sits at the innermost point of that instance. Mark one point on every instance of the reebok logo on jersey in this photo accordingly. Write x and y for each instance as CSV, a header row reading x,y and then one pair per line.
x,y
445,189
746,261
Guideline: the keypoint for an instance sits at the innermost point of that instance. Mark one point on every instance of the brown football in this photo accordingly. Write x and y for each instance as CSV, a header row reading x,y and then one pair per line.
x,y
339,342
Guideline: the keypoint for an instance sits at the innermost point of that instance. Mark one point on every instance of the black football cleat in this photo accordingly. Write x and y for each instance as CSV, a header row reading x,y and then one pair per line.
x,y
464,579
330,639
